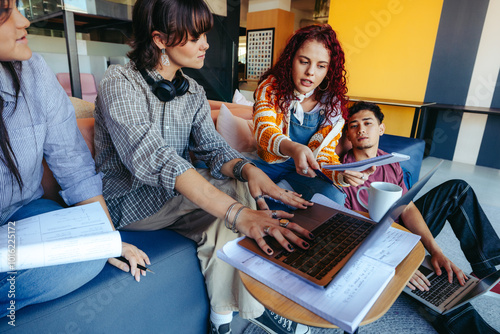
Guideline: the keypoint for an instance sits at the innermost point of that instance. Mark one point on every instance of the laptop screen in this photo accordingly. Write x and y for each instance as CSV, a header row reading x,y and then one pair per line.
x,y
390,216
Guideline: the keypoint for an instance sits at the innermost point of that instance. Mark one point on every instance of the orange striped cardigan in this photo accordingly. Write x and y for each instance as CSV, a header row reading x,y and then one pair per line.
x,y
271,127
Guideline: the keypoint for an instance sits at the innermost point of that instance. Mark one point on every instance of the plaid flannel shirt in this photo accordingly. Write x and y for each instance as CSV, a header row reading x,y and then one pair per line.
x,y
143,144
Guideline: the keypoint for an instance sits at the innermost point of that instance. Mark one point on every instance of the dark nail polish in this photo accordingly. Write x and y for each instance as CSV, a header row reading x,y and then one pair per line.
x,y
311,236
269,251
305,244
290,247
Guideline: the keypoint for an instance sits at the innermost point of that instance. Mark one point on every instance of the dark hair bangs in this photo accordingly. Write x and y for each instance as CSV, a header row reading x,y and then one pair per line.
x,y
193,19
200,22
5,10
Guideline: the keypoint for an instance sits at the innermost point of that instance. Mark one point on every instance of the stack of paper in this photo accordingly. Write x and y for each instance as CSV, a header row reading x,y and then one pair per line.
x,y
347,300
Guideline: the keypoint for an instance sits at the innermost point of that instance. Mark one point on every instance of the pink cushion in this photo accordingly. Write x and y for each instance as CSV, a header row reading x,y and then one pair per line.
x,y
238,132
87,81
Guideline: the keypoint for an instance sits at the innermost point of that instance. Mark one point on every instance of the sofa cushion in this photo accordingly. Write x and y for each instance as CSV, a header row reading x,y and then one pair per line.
x,y
236,131
83,109
172,300
409,146
238,110
238,98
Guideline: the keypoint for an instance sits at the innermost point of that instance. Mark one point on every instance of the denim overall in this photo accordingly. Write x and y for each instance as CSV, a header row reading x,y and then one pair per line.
x,y
286,170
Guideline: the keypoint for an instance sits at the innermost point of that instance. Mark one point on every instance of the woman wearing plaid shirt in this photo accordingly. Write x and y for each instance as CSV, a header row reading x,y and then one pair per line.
x,y
149,117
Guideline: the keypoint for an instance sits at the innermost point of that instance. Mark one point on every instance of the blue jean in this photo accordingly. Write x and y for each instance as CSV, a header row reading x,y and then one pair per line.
x,y
32,286
455,201
462,320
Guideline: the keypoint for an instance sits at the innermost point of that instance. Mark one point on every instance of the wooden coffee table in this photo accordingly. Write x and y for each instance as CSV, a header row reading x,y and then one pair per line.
x,y
287,308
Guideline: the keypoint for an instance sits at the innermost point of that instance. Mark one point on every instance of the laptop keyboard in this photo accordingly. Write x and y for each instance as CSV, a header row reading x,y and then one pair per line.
x,y
440,289
333,240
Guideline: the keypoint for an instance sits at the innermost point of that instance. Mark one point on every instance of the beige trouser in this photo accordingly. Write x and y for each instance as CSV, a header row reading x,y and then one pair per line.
x,y
225,289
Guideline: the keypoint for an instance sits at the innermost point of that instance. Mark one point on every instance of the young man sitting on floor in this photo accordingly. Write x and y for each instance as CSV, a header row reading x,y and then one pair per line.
x,y
453,201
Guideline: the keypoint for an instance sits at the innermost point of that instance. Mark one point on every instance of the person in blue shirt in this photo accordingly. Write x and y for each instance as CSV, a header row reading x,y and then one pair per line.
x,y
37,121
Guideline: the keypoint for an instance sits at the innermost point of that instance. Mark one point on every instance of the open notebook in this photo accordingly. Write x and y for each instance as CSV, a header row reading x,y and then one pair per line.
x,y
340,239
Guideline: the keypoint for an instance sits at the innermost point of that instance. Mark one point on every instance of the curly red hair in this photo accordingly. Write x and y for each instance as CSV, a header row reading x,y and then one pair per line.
x,y
335,80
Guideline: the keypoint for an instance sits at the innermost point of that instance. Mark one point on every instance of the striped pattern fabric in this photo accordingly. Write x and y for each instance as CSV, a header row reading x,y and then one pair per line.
x,y
271,128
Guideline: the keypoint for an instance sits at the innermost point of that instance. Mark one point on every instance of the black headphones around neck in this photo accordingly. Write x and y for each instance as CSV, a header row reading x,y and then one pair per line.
x,y
165,90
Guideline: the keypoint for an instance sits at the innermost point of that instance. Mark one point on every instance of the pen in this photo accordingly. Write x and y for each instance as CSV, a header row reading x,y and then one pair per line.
x,y
124,260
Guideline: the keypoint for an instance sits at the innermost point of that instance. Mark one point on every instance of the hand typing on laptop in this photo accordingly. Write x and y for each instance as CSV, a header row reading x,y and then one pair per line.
x,y
281,229
439,262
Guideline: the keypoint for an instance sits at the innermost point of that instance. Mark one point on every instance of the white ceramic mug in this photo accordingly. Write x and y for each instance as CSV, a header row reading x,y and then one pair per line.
x,y
381,195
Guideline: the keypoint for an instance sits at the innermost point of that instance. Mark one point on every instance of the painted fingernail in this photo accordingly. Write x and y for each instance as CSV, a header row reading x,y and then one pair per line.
x,y
305,244
269,251
311,236
290,247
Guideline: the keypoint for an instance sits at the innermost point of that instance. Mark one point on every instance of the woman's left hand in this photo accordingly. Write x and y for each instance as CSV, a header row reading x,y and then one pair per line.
x,y
260,185
134,256
256,224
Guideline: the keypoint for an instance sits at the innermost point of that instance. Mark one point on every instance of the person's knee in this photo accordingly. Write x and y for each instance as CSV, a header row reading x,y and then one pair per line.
x,y
84,272
457,184
456,188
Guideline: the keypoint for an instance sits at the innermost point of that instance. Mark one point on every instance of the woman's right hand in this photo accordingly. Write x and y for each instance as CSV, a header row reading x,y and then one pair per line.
x,y
305,164
256,224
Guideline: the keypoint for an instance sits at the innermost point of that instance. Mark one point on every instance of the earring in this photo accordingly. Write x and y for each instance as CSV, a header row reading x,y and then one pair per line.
x,y
328,84
164,58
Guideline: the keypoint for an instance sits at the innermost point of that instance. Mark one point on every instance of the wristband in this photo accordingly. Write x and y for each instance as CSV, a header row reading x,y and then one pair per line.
x,y
238,168
228,212
233,226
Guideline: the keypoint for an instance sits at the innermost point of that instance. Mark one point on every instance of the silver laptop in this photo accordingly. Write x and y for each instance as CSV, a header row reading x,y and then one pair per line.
x,y
340,239
444,296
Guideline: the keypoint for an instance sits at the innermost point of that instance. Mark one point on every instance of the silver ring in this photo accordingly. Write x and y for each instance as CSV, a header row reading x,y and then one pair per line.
x,y
256,198
363,177
284,222
274,214
266,229
304,171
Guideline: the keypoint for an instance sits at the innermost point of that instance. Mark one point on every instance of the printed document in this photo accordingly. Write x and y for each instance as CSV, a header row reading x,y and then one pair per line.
x,y
359,166
345,302
75,234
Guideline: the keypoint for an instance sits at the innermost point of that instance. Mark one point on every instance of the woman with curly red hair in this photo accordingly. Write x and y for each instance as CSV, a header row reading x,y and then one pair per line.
x,y
298,114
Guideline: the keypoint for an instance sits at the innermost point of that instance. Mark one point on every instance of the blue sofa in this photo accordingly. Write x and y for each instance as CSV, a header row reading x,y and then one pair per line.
x,y
409,146
172,300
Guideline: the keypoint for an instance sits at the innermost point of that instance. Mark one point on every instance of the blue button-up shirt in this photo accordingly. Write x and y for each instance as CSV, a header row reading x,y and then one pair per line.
x,y
43,125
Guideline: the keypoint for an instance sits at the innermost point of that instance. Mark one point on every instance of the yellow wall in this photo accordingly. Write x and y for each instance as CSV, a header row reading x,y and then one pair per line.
x,y
388,46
